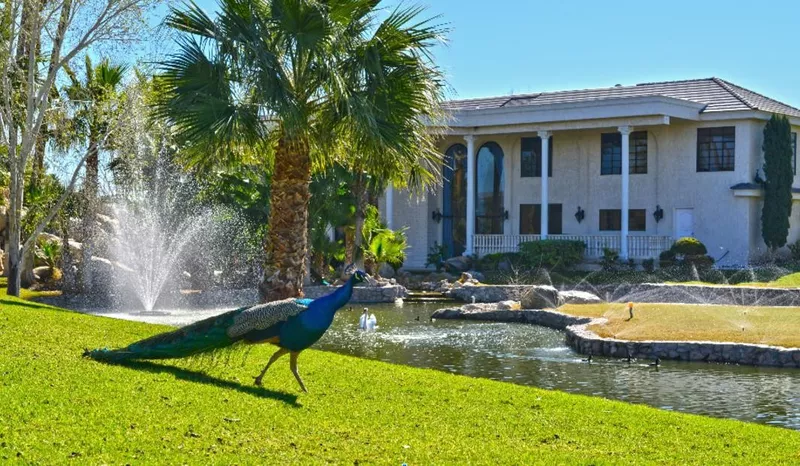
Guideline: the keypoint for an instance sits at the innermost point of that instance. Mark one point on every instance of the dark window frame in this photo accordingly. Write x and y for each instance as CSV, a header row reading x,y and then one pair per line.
x,y
611,220
611,153
555,219
531,157
637,153
716,149
637,219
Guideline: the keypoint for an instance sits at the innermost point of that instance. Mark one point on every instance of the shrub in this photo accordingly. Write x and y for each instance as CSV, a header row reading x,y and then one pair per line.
x,y
436,256
688,246
610,260
649,265
795,250
500,261
552,253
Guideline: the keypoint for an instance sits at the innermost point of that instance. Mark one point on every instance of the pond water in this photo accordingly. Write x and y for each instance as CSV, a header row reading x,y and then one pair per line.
x,y
537,356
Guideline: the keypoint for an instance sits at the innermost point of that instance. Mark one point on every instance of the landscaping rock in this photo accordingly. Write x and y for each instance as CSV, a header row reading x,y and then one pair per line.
x,y
458,264
487,293
541,297
386,271
477,275
42,273
579,297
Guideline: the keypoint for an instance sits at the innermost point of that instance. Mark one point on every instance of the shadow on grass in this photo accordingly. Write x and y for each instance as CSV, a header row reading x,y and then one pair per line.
x,y
25,303
200,377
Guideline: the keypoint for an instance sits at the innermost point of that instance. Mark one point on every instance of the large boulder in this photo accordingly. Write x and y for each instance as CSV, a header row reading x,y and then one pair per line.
x,y
458,264
579,297
541,297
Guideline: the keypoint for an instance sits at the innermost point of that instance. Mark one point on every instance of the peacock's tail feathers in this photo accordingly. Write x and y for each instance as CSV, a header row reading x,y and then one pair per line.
x,y
201,337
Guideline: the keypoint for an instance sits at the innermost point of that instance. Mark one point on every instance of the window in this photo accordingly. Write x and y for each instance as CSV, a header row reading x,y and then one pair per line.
x,y
489,218
611,220
638,152
794,153
530,219
531,157
454,200
611,153
715,149
637,220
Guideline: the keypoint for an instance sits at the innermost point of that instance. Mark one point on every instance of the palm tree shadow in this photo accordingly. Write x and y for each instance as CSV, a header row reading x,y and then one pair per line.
x,y
200,377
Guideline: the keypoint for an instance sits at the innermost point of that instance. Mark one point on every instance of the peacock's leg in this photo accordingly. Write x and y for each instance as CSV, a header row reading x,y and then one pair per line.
x,y
274,358
293,365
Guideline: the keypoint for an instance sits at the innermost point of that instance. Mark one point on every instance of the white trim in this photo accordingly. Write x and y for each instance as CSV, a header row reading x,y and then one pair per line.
x,y
544,208
655,120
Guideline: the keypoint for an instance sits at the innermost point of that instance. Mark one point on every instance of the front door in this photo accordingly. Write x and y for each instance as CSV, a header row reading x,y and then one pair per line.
x,y
684,223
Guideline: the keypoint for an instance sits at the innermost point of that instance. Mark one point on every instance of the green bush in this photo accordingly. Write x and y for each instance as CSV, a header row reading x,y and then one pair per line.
x,y
494,262
436,256
610,260
795,250
649,265
552,253
689,246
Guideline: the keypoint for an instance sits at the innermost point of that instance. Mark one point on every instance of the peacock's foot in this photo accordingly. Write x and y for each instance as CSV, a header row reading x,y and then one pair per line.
x,y
257,380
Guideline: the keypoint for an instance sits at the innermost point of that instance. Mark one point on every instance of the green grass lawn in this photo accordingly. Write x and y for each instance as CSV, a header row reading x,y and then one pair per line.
x,y
695,322
57,407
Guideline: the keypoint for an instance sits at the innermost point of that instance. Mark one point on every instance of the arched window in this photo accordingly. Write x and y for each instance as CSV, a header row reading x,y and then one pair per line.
x,y
454,200
489,208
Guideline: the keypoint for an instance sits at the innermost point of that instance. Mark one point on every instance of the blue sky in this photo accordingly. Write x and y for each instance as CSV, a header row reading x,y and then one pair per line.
x,y
498,47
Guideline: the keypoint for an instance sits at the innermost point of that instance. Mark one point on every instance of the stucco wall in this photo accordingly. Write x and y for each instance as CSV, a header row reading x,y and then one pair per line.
x,y
724,222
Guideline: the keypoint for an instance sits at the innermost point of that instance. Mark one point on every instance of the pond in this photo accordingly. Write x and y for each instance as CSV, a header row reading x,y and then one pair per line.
x,y
537,356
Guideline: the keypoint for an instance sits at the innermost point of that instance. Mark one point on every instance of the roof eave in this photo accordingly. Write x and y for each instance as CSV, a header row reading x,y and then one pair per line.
x,y
575,111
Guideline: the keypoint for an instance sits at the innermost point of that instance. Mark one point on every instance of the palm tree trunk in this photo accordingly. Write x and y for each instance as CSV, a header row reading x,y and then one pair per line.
x,y
90,214
288,222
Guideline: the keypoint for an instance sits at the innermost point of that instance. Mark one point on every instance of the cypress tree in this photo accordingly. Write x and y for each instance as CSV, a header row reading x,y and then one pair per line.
x,y
777,149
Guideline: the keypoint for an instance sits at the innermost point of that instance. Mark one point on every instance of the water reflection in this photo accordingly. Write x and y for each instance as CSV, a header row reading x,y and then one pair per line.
x,y
531,355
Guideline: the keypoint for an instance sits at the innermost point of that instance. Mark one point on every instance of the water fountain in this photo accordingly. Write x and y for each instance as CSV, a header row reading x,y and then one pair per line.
x,y
150,249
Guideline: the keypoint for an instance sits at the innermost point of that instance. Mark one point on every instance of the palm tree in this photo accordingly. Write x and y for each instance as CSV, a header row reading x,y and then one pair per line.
x,y
93,102
304,83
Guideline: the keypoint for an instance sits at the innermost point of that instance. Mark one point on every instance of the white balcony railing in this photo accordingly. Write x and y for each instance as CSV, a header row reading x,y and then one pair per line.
x,y
639,247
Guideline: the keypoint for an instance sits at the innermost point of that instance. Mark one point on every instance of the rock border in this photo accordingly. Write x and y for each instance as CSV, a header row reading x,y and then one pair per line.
x,y
644,293
362,294
584,341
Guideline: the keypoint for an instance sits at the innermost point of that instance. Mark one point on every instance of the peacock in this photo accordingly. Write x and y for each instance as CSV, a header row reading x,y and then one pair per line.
x,y
290,324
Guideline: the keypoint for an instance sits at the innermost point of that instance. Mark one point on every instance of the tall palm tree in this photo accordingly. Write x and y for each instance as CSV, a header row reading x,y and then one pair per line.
x,y
305,83
93,101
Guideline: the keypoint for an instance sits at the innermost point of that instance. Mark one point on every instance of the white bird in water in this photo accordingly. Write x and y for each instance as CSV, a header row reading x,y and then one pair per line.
x,y
367,321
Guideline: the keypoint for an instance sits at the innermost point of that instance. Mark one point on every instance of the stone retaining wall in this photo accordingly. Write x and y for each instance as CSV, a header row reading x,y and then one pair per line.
x,y
551,319
697,294
584,341
488,293
362,294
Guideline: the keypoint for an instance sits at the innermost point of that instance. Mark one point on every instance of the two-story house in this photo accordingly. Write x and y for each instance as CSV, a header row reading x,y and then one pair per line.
x,y
629,168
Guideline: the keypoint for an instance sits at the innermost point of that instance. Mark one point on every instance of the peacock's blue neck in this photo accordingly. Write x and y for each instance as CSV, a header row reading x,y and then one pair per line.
x,y
321,311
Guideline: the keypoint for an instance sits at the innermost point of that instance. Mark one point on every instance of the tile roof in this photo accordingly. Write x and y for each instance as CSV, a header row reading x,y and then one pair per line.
x,y
716,94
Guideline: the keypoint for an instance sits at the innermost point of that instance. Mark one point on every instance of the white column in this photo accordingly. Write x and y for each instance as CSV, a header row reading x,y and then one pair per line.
x,y
470,192
389,205
545,137
625,131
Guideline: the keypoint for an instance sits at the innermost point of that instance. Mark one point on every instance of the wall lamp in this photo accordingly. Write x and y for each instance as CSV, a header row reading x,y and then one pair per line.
x,y
580,214
436,215
658,214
